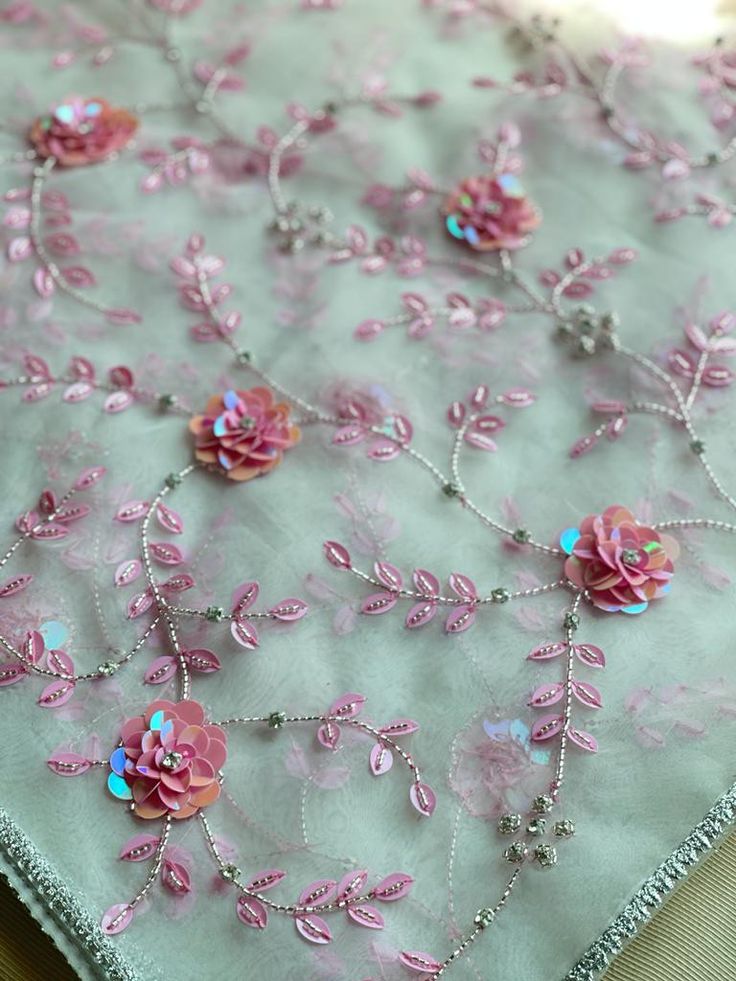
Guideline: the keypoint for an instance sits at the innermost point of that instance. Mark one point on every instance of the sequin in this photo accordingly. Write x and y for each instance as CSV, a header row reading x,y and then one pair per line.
x,y
117,761
118,787
568,538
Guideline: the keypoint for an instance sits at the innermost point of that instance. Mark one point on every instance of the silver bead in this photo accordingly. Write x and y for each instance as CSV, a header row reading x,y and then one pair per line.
x,y
537,827
484,918
171,760
107,669
546,855
507,824
542,804
516,852
564,829
276,720
230,873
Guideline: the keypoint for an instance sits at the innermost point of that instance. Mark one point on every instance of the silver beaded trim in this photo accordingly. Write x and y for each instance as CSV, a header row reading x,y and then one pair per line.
x,y
69,915
657,888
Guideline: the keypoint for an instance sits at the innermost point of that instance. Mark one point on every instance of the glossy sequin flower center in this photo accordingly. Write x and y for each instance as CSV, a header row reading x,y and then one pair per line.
x,y
490,213
623,565
169,760
82,131
244,432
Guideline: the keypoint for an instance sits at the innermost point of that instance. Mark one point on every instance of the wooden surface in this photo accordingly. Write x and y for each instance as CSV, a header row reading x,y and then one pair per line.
x,y
693,938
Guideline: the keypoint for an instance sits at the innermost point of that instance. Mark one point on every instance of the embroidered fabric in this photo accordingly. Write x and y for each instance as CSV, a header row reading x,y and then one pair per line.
x,y
181,279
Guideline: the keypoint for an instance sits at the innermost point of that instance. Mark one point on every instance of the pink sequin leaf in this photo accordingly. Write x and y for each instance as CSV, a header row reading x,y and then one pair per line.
x,y
127,572
393,887
313,928
328,735
423,798
132,511
82,369
202,660
582,739
349,435
456,414
37,368
383,450
380,759
56,694
139,848
79,276
544,652
245,633
591,655
351,885
463,586
518,398
11,673
72,512
165,553
420,614
368,330
289,609
547,727
414,303
139,604
33,646
160,670
461,618
418,962
399,727
347,706
426,583
178,583
547,694
12,586
59,662
378,603
68,764
49,532
264,880
27,521
388,575
366,915
583,445
175,877
318,893
116,919
587,694
251,912
169,519
89,477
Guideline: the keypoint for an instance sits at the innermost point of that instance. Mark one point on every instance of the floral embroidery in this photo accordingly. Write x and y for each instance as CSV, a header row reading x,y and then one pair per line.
x,y
490,213
244,432
169,761
82,131
623,565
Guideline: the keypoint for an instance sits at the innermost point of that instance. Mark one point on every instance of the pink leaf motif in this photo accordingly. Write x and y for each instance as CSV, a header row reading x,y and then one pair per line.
x,y
587,694
68,764
461,618
117,402
116,919
479,396
318,892
590,655
13,586
175,877
347,706
79,277
132,511
547,651
123,316
378,603
381,760
139,848
582,739
289,609
56,694
251,912
244,633
547,727
67,515
313,928
60,663
169,519
139,604
328,735
399,727
337,555
33,646
89,477
10,673
388,574
582,445
165,553
366,915
518,398
160,670
456,414
244,596
43,283
463,586
368,330
426,583
547,694
480,441
351,885
420,614
50,532
393,887
127,572
348,435
383,450
423,798
489,424
419,962
267,879
37,392
19,249
718,376
178,584
203,660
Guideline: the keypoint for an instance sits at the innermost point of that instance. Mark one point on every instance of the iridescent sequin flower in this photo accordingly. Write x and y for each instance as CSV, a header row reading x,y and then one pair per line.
x,y
169,760
244,432
82,131
490,213
622,564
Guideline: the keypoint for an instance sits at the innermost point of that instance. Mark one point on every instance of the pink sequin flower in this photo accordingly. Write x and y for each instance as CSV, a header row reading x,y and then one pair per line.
x,y
245,432
622,564
169,760
490,213
82,131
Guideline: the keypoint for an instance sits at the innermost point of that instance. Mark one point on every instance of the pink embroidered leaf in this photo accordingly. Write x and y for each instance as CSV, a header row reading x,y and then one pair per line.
x,y
169,519
461,618
139,604
165,553
160,670
79,276
73,512
393,887
368,330
388,574
547,651
399,727
27,521
132,511
139,848
348,435
616,427
456,414
37,392
383,450
587,694
89,477
117,402
423,798
381,760
127,572
419,962
33,646
318,892
178,584
547,727
289,609
479,396
264,880
251,912
56,694
328,735
337,555
347,706
116,919
366,915
68,764
175,877
489,424
582,739
203,660
463,586
718,376
582,445
60,663
590,655
518,398
313,928
11,673
244,596
547,694
19,249
426,583
480,441
420,614
123,316
351,885
36,367
245,633
50,532
378,603
12,586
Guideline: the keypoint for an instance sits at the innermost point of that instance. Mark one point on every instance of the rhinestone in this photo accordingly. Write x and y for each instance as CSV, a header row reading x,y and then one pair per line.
x,y
276,720
564,829
609,322
697,446
586,345
171,760
214,613
173,480
537,827
516,852
586,325
542,804
508,823
571,621
106,669
450,490
630,556
244,357
521,536
230,872
500,595
484,918
166,401
546,855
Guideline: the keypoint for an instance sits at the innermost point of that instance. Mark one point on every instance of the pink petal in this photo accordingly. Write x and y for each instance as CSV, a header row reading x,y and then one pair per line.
x,y
351,884
366,915
139,848
347,706
244,632
68,764
587,694
547,727
168,519
547,694
160,670
318,892
582,739
56,694
420,614
393,887
546,651
251,912
289,610
378,603
328,735
419,962
590,655
12,586
313,928
423,798
389,575
381,760
399,727
337,555
264,880
116,919
461,618
127,572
